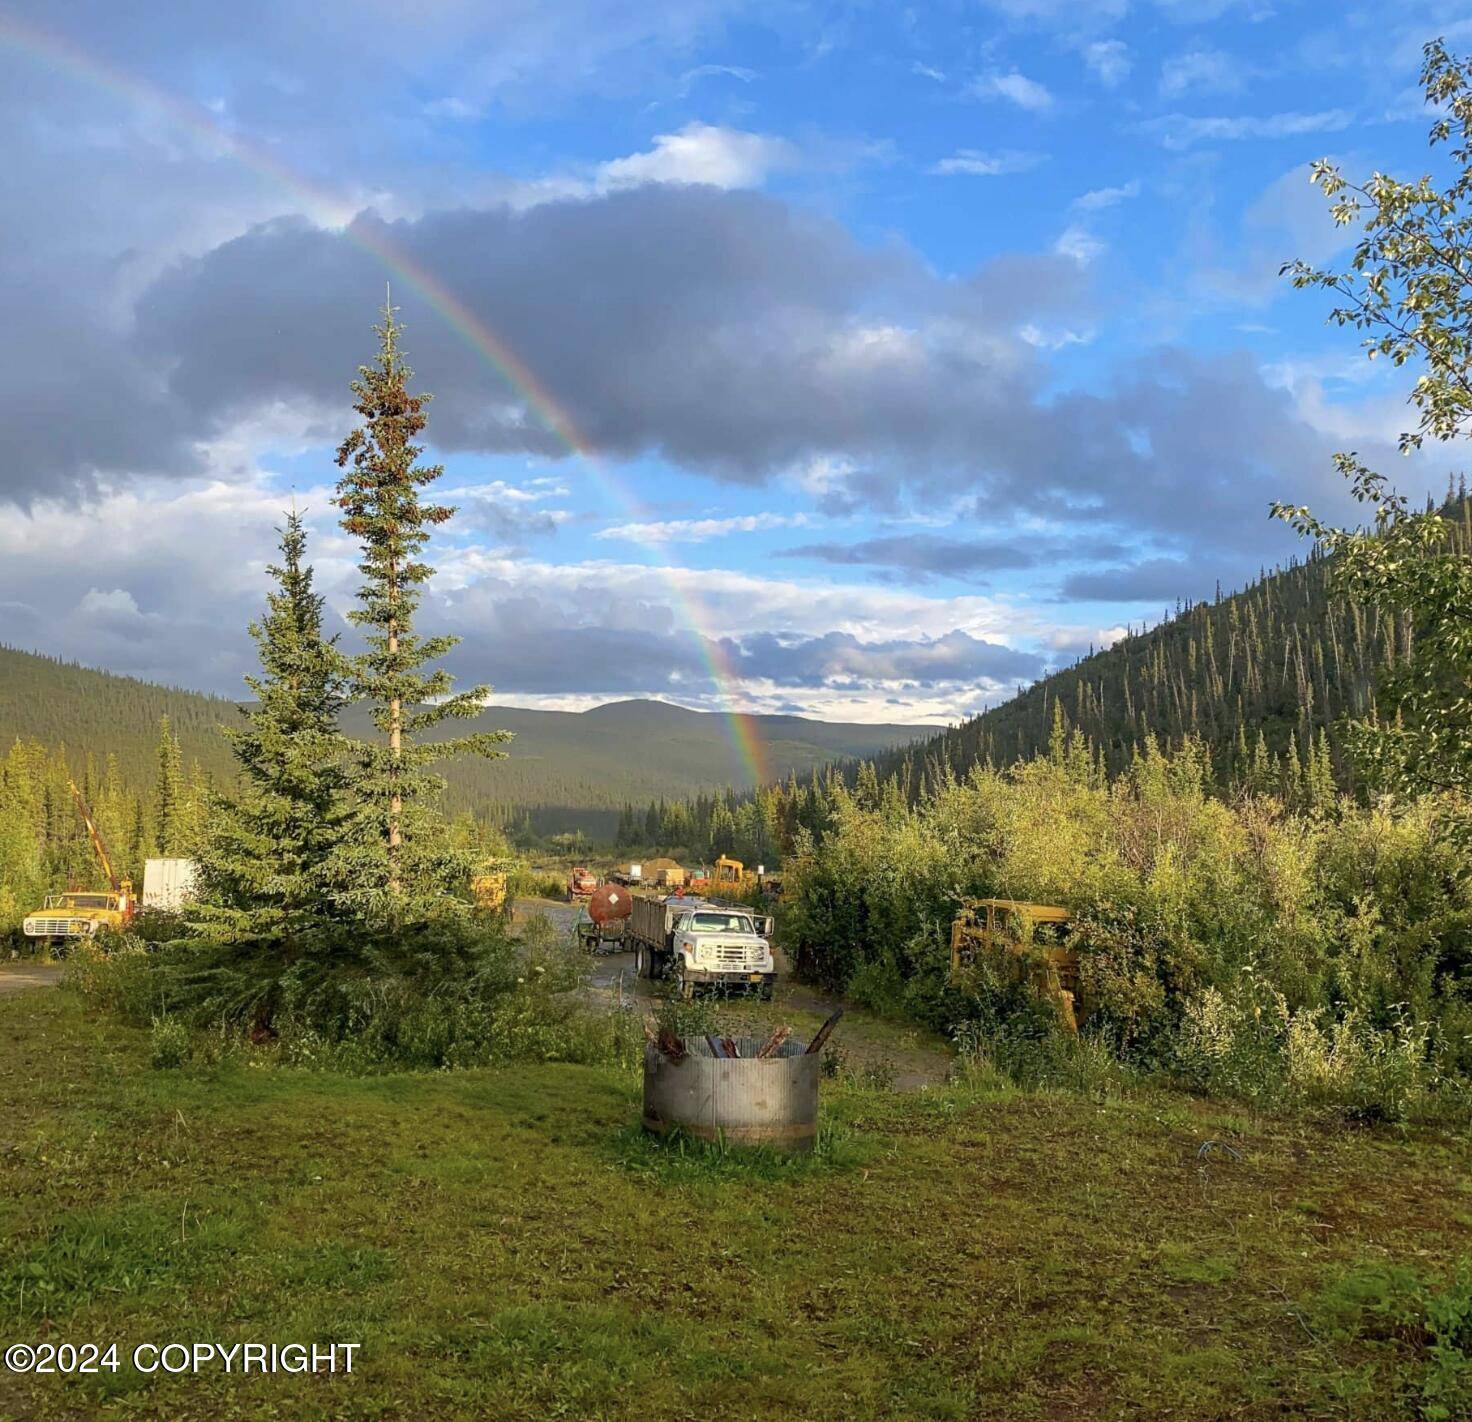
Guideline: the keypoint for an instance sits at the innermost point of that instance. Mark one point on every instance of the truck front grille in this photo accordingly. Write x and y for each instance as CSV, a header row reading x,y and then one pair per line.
x,y
48,927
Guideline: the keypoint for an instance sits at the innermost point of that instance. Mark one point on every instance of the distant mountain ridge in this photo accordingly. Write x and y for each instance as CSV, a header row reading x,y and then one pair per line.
x,y
621,752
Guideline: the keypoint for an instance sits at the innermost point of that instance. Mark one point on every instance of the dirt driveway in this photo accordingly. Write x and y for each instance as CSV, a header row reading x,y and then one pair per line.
x,y
17,977
900,1051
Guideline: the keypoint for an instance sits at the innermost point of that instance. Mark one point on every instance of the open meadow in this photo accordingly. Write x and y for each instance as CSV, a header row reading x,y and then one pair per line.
x,y
504,1243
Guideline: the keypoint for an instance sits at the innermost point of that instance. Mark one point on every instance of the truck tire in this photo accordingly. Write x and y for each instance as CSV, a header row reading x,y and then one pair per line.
x,y
641,961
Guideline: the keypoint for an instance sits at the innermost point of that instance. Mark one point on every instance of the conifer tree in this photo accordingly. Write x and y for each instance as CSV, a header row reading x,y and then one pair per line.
x,y
168,794
264,866
393,869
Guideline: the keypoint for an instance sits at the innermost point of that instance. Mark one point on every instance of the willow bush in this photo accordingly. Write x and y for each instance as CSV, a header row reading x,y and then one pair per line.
x,y
1239,945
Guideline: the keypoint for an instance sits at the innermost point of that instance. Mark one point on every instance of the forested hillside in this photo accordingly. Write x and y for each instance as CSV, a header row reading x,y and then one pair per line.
x,y
560,761
1260,682
1283,661
61,704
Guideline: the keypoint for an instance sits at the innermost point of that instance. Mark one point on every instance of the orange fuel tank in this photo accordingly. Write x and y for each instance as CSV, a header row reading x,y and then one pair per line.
x,y
609,903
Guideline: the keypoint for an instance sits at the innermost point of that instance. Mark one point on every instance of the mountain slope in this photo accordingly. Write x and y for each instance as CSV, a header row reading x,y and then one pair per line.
x,y
1285,658
598,759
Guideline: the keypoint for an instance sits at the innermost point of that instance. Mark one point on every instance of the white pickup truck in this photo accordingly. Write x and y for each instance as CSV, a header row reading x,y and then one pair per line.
x,y
700,944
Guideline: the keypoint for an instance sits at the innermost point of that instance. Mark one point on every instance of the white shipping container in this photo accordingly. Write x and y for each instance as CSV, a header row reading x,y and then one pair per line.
x,y
168,883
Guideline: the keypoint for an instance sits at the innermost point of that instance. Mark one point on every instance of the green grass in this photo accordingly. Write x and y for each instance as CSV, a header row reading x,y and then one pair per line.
x,y
504,1244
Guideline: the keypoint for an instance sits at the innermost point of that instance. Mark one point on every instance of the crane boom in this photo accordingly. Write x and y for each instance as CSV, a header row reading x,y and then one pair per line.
x,y
96,836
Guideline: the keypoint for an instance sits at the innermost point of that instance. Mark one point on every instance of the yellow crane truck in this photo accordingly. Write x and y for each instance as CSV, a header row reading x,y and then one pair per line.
x,y
81,913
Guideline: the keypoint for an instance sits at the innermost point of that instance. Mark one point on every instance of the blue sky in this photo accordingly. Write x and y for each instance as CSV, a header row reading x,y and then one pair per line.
x,y
918,349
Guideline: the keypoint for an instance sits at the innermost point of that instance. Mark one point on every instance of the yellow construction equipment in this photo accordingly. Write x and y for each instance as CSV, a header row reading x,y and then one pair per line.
x,y
488,890
81,914
1024,939
730,877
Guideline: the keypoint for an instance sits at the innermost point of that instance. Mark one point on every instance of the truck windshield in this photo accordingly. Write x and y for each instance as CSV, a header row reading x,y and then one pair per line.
x,y
84,901
721,923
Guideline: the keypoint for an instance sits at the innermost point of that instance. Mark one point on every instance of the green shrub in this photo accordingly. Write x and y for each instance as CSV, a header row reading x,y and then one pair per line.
x,y
168,1044
438,997
527,883
1428,1321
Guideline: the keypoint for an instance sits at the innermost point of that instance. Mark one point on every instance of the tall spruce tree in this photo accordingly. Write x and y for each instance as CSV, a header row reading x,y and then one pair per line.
x,y
168,793
264,869
395,867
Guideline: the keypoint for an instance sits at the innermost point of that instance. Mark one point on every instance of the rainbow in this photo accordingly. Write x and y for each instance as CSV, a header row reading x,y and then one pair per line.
x,y
374,239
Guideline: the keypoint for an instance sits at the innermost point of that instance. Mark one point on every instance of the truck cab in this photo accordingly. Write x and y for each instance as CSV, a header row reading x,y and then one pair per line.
x,y
79,914
719,946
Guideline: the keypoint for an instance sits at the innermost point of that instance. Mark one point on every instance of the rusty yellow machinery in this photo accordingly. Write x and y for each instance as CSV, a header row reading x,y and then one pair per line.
x,y
488,890
729,876
1026,940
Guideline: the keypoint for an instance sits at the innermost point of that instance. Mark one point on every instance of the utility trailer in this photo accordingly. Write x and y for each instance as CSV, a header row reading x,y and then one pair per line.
x,y
700,944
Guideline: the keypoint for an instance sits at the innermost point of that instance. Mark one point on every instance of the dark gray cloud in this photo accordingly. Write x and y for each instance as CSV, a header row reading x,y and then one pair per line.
x,y
922,554
732,333
1154,580
842,661
728,332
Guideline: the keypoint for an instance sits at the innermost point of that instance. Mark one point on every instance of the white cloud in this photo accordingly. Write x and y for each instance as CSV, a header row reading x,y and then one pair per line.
x,y
1200,71
1077,640
741,602
699,530
1015,88
974,163
185,569
926,71
1109,61
1178,131
532,492
1044,339
1097,199
691,77
1078,244
701,153
451,107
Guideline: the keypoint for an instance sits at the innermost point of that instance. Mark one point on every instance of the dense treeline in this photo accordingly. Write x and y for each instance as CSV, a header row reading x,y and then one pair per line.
x,y
1263,678
565,772
90,712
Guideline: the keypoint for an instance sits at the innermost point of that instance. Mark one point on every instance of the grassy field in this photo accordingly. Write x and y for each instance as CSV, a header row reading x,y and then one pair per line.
x,y
503,1244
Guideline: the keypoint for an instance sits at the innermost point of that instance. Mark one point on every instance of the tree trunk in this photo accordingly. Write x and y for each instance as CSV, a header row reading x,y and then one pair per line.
x,y
395,746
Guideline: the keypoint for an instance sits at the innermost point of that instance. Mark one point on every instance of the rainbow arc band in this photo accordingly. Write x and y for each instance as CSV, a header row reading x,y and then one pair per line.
x,y
372,236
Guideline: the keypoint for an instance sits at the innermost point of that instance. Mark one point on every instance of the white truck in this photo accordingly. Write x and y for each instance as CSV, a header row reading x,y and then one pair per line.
x,y
168,884
698,943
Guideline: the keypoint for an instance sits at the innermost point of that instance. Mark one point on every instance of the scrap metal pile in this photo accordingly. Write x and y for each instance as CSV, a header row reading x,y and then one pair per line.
x,y
675,1048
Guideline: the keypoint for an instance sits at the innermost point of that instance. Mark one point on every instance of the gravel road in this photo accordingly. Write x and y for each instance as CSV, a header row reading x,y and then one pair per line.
x,y
912,1058
17,977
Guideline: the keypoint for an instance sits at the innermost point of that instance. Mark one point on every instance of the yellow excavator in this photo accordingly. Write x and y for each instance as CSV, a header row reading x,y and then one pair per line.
x,y
81,913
